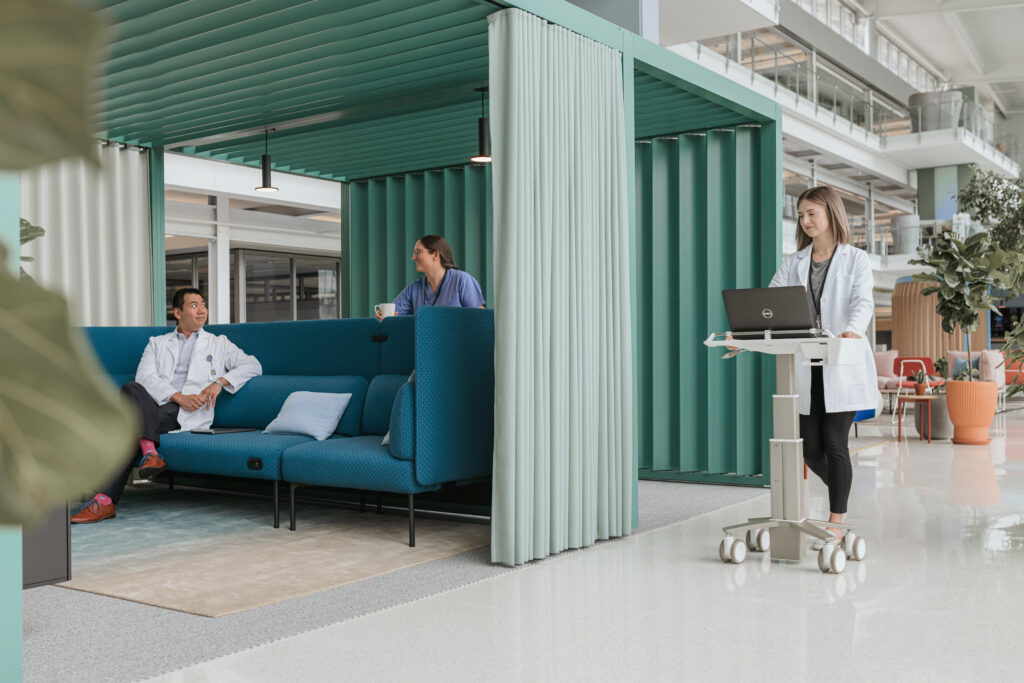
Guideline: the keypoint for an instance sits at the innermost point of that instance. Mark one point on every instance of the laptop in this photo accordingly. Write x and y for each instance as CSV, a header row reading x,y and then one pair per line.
x,y
752,311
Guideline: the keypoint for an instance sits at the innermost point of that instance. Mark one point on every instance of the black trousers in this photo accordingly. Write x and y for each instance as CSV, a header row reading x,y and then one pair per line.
x,y
826,445
154,421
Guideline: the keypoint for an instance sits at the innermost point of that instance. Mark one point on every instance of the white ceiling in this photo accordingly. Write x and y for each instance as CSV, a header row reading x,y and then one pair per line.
x,y
972,42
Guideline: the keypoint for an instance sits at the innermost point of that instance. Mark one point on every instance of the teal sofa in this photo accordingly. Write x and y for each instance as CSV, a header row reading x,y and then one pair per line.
x,y
441,424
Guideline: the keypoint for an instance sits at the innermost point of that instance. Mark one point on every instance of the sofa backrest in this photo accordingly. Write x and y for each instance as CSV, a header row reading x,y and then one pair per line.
x,y
310,347
398,348
119,349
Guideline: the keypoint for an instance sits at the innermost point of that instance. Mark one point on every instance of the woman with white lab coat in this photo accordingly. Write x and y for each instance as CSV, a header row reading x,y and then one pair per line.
x,y
838,277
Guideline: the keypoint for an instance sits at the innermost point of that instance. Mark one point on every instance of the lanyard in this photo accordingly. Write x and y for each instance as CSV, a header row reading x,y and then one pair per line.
x,y
816,300
439,286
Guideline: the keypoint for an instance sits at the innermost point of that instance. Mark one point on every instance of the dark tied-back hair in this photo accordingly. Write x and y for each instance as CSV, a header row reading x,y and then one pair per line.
x,y
436,244
179,297
837,220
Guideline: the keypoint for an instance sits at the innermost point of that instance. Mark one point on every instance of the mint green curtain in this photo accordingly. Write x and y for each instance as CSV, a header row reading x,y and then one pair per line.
x,y
563,405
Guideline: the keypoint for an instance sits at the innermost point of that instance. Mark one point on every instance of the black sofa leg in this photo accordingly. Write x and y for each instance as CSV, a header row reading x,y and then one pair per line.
x,y
277,506
412,522
380,503
291,505
170,481
362,503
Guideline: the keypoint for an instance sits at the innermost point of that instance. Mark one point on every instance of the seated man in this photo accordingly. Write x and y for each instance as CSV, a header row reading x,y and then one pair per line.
x,y
176,387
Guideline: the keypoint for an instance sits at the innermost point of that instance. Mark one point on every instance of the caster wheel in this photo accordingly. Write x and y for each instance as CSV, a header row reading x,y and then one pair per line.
x,y
738,552
751,540
856,549
824,555
838,561
725,547
831,558
764,540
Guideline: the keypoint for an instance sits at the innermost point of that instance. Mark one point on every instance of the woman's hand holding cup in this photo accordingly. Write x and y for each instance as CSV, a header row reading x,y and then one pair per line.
x,y
381,311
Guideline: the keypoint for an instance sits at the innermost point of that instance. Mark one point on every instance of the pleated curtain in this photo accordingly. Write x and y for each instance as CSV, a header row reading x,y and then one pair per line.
x,y
563,463
96,250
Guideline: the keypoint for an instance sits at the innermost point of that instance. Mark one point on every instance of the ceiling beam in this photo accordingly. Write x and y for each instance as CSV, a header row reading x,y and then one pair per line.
x,y
965,41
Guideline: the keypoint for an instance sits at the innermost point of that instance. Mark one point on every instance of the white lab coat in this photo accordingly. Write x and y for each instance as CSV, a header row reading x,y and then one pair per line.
x,y
847,305
213,356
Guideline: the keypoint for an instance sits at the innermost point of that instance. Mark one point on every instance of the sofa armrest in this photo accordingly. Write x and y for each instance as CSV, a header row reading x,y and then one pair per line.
x,y
454,394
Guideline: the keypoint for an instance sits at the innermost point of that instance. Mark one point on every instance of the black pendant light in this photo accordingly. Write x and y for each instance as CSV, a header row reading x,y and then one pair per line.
x,y
265,164
483,133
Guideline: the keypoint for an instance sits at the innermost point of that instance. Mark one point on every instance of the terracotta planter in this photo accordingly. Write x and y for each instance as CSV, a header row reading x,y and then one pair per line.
x,y
972,405
919,389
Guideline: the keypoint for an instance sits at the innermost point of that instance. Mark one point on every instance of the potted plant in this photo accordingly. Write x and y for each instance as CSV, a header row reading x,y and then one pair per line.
x,y
964,273
920,382
998,201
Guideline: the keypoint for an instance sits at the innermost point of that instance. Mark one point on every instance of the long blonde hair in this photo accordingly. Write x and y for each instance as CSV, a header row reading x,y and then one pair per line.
x,y
833,207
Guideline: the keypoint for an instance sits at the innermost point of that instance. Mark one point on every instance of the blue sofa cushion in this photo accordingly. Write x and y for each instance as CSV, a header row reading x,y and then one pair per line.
x,y
258,402
227,454
380,397
358,462
402,443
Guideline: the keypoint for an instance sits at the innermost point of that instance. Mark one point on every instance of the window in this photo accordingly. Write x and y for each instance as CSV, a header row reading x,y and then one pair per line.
x,y
883,51
316,281
835,20
268,287
184,270
848,25
276,286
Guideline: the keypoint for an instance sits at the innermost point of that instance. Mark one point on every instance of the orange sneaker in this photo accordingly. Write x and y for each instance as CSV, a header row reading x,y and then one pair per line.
x,y
151,465
96,510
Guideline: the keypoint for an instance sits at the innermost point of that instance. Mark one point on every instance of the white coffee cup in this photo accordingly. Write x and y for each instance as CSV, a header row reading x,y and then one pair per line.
x,y
384,310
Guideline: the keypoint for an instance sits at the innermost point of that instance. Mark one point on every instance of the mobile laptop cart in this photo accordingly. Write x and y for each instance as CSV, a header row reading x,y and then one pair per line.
x,y
782,533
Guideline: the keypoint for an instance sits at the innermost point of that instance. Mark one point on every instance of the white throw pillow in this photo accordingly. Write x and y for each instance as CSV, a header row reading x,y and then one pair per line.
x,y
310,413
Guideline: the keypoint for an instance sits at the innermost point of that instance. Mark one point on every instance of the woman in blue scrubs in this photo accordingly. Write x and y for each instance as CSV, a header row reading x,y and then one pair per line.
x,y
442,284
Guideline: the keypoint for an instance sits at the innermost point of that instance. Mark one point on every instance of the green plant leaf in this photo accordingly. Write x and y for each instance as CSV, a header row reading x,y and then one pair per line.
x,y
63,425
46,61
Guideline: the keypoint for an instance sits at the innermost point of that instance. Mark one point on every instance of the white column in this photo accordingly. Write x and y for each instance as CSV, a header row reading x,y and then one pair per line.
x,y
869,217
219,251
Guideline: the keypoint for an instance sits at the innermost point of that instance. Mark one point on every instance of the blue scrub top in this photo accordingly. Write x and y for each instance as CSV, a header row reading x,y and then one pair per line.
x,y
458,289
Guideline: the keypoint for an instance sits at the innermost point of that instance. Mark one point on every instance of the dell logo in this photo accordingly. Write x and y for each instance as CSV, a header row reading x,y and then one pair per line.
x,y
767,313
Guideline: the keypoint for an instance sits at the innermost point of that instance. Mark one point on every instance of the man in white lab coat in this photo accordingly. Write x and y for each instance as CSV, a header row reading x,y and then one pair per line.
x,y
176,387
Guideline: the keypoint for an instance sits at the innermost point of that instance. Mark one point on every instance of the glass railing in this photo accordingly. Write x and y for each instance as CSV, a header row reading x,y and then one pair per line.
x,y
789,67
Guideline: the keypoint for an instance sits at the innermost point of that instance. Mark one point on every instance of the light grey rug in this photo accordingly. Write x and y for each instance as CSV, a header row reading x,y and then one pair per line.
x,y
76,636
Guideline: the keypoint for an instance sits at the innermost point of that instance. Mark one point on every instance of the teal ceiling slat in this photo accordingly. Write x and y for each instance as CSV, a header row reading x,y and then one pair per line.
x,y
295,45
181,27
255,117
303,80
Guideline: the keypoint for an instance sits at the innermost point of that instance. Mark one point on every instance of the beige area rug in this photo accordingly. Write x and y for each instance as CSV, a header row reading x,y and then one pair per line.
x,y
222,573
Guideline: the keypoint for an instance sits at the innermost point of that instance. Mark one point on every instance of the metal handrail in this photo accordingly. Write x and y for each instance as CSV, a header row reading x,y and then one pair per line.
x,y
862,107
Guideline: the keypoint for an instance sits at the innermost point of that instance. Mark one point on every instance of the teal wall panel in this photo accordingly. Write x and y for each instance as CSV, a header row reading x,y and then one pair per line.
x,y
10,536
704,225
387,215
